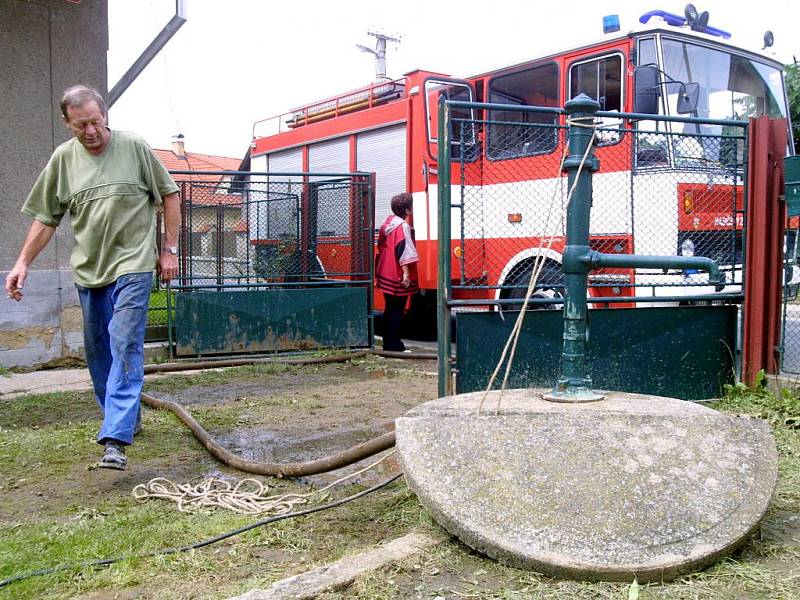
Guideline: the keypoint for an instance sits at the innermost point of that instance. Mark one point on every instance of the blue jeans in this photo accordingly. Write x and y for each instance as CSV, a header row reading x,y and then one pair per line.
x,y
114,320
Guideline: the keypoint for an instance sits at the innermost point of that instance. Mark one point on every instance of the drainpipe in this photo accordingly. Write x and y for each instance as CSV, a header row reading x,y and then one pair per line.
x,y
175,23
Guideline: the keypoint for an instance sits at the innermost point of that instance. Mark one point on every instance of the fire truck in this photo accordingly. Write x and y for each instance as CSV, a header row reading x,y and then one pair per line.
x,y
671,65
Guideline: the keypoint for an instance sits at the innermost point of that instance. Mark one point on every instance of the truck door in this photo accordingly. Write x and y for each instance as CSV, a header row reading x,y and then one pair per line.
x,y
463,149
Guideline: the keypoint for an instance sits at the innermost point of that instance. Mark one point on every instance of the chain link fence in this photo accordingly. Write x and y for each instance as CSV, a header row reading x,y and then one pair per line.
x,y
256,231
791,302
664,187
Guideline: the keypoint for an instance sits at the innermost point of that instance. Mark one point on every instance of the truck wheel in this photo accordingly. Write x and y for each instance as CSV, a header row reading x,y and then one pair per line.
x,y
549,285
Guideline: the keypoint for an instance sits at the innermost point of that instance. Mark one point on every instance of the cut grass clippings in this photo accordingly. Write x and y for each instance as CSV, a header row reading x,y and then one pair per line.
x,y
47,441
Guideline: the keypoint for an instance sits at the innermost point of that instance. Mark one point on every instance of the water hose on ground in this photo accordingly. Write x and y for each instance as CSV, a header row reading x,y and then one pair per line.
x,y
240,362
299,469
311,467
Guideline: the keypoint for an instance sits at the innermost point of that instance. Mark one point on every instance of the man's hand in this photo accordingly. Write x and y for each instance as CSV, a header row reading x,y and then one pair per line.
x,y
15,280
406,280
38,236
167,266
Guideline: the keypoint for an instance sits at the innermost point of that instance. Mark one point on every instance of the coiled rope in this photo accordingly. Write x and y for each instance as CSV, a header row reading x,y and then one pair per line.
x,y
247,496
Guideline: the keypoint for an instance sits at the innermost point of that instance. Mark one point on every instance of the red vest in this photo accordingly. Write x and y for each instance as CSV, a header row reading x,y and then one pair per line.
x,y
393,249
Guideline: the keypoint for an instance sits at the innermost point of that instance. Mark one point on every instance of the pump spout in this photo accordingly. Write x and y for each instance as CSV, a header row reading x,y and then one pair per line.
x,y
596,259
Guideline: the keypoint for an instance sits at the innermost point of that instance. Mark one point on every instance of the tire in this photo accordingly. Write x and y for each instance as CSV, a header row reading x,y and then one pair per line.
x,y
549,285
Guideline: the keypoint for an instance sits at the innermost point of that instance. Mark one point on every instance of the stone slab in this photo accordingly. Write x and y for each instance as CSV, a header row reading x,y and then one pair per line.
x,y
632,486
43,382
342,572
46,325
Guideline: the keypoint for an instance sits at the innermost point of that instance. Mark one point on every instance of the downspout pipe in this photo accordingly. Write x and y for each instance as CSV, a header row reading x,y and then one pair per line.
x,y
175,23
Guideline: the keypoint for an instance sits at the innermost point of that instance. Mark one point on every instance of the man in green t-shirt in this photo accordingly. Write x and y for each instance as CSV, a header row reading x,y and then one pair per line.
x,y
111,184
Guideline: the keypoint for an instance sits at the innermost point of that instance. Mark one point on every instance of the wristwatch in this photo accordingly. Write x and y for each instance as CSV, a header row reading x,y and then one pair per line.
x,y
171,249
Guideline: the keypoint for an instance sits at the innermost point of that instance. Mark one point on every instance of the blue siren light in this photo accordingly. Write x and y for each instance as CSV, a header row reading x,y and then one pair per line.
x,y
680,21
610,23
670,18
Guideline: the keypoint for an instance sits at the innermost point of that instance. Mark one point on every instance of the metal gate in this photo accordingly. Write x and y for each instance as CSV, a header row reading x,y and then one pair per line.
x,y
272,262
662,186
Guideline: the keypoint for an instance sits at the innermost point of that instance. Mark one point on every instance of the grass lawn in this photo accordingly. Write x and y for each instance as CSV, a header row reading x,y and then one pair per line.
x,y
54,511
157,310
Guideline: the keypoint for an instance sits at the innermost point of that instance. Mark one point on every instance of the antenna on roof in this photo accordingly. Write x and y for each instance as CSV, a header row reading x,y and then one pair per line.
x,y
379,52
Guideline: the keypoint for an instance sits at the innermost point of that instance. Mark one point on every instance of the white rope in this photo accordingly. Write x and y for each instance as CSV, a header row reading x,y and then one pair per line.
x,y
247,496
538,265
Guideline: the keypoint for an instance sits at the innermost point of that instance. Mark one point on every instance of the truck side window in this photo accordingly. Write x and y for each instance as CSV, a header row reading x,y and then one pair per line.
x,y
512,134
651,142
601,79
462,146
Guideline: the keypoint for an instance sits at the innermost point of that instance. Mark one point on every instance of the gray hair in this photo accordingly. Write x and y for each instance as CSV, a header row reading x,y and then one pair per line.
x,y
78,95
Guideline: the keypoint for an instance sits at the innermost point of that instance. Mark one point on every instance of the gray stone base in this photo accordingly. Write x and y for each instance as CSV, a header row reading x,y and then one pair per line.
x,y
46,325
629,487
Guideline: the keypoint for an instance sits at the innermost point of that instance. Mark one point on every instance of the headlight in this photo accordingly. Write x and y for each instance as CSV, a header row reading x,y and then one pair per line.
x,y
687,248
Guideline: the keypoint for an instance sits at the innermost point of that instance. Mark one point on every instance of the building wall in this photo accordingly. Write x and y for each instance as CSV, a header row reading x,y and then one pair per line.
x,y
45,46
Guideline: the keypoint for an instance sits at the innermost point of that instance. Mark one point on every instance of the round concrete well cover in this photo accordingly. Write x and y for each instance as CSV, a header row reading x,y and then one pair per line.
x,y
631,486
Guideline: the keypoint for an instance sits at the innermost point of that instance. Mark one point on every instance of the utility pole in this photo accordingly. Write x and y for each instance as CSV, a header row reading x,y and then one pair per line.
x,y
379,52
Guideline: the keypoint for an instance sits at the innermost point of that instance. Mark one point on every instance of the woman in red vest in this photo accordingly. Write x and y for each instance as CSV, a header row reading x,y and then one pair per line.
x,y
396,270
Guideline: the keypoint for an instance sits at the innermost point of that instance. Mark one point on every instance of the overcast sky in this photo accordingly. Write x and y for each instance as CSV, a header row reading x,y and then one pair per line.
x,y
237,61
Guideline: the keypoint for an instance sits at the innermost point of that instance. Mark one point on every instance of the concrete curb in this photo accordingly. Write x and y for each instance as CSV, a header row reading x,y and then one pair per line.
x,y
342,572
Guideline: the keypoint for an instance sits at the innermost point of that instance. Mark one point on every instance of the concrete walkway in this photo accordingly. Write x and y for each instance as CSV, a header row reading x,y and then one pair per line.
x,y
58,380
64,380
631,486
42,382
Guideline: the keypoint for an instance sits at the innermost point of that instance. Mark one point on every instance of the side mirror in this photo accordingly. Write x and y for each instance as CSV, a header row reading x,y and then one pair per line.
x,y
646,90
687,98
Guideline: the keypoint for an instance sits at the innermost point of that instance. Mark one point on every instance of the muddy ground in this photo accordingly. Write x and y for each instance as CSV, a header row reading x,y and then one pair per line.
x,y
291,416
287,415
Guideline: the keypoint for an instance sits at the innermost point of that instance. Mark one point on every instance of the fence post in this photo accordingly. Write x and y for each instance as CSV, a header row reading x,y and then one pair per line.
x,y
369,249
575,383
763,278
443,284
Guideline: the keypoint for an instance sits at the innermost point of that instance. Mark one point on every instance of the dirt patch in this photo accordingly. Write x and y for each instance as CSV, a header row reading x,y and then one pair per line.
x,y
297,415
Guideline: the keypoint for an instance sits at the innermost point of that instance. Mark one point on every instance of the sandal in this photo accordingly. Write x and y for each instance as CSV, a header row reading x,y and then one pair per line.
x,y
113,458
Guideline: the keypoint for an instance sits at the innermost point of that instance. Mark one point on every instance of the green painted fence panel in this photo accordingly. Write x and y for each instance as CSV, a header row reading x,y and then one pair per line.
x,y
273,320
679,352
791,175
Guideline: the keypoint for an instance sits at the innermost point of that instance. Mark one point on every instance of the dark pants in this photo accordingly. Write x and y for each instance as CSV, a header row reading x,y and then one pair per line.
x,y
392,321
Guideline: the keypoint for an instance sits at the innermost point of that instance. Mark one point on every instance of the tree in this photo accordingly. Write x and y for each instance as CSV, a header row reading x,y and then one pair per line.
x,y
793,91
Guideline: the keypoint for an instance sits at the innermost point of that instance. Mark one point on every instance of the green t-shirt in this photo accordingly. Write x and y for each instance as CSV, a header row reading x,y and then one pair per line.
x,y
111,201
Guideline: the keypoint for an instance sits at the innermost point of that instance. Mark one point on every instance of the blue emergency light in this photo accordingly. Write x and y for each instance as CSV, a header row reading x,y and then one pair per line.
x,y
698,22
610,23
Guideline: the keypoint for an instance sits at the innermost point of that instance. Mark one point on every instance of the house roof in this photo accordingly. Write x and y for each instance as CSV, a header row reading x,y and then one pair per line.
x,y
194,161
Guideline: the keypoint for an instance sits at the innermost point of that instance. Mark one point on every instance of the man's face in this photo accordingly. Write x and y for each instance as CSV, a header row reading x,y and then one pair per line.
x,y
88,124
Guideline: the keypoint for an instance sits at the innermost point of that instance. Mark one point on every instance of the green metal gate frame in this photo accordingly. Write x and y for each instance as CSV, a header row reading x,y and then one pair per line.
x,y
316,308
632,372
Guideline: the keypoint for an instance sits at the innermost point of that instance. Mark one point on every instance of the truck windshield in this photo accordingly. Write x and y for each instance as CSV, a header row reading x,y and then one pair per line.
x,y
730,86
696,80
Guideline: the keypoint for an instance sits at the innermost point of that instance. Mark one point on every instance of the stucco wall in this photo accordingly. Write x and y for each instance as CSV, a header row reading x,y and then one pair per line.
x,y
45,46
